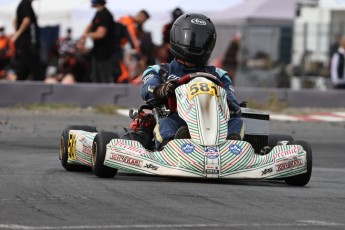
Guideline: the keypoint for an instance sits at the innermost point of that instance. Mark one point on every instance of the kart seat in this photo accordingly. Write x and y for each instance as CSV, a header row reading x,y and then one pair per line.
x,y
143,137
182,133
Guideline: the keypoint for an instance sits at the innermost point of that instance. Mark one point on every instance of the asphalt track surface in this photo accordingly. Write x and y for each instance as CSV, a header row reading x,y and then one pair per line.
x,y
37,193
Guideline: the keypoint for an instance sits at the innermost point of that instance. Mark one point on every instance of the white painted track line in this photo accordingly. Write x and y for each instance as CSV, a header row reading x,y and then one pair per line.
x,y
282,117
298,223
123,112
327,118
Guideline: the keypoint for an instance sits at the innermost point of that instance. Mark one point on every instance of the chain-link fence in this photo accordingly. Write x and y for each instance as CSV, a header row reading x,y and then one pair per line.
x,y
263,52
269,56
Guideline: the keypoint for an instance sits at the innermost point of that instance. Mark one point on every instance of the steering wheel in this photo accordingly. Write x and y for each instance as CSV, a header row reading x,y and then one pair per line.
x,y
172,104
188,77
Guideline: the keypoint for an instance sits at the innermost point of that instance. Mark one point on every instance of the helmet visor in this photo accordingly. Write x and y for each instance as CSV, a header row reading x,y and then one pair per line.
x,y
195,39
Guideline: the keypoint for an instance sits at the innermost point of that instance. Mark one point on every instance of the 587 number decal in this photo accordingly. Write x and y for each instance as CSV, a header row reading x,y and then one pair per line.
x,y
202,88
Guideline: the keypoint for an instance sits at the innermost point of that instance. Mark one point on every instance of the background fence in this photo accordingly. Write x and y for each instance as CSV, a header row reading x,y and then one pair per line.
x,y
269,55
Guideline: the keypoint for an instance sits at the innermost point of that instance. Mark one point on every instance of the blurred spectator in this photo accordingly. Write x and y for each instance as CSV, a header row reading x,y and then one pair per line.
x,y
333,48
177,12
101,31
230,61
338,66
67,44
6,52
27,41
144,47
135,26
74,66
120,70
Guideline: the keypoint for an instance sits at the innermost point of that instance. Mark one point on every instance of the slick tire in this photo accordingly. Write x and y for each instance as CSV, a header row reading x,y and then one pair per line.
x,y
63,156
99,148
273,139
302,179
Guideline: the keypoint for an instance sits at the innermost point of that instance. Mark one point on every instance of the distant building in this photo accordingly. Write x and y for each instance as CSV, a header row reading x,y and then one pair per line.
x,y
265,27
318,25
266,31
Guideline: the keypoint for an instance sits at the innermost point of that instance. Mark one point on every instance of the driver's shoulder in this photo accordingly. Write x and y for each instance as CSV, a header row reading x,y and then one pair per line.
x,y
218,72
151,68
157,68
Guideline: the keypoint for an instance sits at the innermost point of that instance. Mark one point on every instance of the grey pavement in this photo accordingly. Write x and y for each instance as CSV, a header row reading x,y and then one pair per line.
x,y
37,193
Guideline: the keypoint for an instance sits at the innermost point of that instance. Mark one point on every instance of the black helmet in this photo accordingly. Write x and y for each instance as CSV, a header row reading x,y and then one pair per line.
x,y
192,38
102,2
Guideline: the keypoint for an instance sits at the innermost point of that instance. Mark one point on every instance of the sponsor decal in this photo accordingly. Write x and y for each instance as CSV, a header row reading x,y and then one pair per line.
x,y
269,170
212,171
173,77
287,153
211,153
127,149
148,77
87,147
198,21
232,89
190,107
126,159
187,148
235,149
294,162
150,89
211,167
151,166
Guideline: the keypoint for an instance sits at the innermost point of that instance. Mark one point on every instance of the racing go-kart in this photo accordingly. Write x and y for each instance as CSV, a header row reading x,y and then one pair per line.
x,y
201,150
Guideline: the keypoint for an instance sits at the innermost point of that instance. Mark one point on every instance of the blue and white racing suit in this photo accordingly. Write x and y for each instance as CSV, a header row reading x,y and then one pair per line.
x,y
168,126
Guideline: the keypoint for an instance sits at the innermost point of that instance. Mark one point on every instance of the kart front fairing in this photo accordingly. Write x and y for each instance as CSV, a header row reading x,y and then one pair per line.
x,y
187,158
203,105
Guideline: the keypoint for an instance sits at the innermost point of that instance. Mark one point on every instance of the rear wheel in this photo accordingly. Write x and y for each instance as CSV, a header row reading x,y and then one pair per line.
x,y
302,179
63,155
99,149
273,139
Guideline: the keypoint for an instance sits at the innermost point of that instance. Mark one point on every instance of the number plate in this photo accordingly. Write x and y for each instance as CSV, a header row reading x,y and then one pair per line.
x,y
202,88
72,141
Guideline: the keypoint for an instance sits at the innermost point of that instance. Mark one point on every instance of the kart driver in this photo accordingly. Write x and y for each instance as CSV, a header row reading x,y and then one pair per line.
x,y
192,39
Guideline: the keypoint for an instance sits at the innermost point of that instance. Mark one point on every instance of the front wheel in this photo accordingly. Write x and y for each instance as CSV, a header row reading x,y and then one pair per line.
x,y
63,156
302,179
99,149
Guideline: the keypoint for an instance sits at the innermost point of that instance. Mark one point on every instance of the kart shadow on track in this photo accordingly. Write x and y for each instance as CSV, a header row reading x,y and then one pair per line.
x,y
124,176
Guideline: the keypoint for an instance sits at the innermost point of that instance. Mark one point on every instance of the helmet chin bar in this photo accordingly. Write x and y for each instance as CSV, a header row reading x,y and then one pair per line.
x,y
189,64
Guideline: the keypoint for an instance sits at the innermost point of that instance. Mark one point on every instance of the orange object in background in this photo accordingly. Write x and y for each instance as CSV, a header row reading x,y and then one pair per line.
x,y
124,77
7,48
131,25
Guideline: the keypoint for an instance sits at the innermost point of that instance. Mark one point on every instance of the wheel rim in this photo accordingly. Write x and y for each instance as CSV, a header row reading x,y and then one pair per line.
x,y
94,153
62,147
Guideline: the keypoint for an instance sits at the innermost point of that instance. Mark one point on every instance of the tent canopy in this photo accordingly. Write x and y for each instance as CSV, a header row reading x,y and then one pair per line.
x,y
256,11
261,23
48,11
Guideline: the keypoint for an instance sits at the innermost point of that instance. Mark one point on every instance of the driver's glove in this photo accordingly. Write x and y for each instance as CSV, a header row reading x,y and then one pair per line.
x,y
162,92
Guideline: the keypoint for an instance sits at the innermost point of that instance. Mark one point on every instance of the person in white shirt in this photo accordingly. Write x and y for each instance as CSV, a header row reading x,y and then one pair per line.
x,y
338,66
